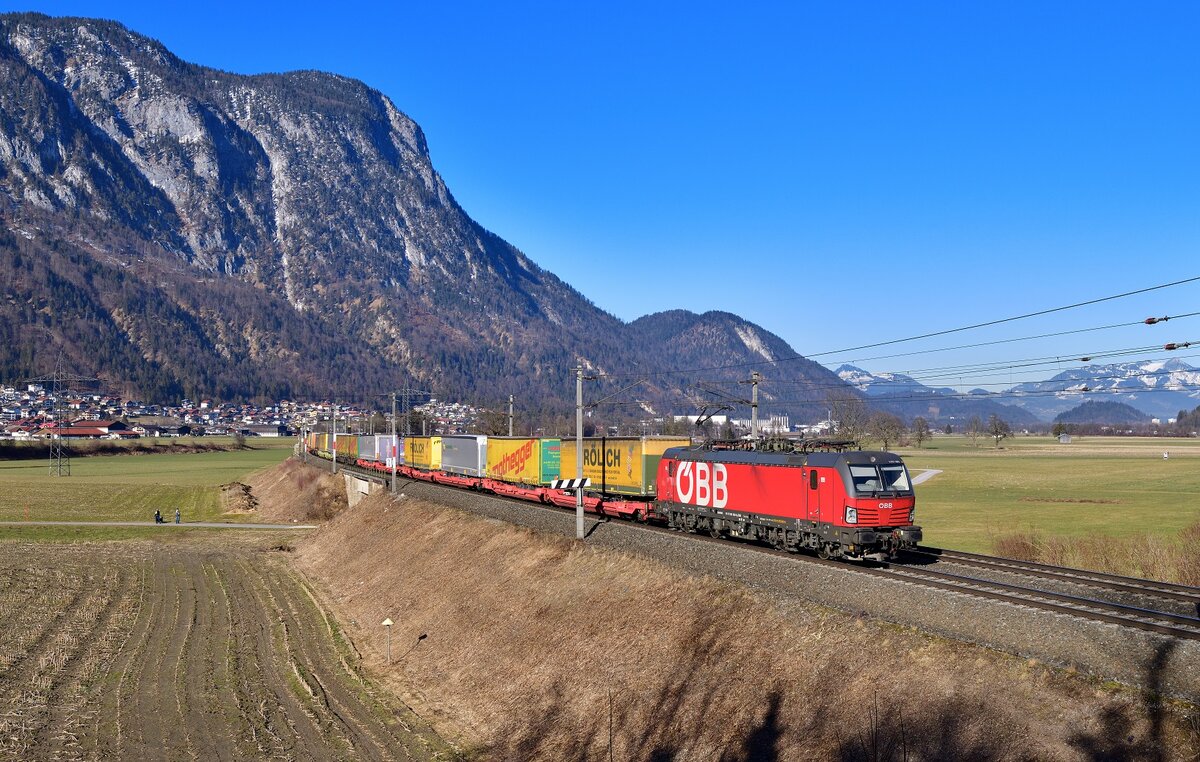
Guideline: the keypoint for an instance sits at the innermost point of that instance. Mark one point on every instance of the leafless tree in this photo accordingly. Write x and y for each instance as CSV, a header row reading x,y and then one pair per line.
x,y
885,428
920,430
998,428
974,429
850,415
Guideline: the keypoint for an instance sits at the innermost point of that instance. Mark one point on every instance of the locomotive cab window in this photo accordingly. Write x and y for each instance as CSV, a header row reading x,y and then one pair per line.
x,y
895,478
871,480
866,479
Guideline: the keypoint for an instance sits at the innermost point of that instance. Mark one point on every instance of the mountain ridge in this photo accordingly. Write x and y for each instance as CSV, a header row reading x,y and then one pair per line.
x,y
288,230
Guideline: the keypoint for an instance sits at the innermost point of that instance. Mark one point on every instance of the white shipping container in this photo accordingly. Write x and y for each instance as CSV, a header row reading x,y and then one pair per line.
x,y
464,454
384,446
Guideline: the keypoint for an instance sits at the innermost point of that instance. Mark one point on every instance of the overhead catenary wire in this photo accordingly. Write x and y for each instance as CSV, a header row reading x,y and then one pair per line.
x,y
985,370
929,335
989,396
1074,380
980,344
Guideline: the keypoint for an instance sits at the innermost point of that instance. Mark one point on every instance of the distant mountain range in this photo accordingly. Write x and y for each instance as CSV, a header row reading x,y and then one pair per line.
x,y
908,398
1159,389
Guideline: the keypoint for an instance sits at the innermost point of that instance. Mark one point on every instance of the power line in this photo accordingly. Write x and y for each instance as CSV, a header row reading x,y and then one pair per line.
x,y
1020,338
1012,319
932,334
972,372
991,396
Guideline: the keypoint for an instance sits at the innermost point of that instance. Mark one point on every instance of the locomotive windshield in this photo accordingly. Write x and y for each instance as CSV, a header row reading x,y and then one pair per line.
x,y
871,479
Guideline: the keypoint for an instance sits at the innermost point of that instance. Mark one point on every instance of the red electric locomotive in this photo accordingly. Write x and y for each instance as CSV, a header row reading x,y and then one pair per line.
x,y
839,503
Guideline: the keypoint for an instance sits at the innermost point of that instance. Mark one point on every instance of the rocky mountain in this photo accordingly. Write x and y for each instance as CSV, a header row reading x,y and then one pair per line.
x,y
1160,388
682,339
887,384
183,231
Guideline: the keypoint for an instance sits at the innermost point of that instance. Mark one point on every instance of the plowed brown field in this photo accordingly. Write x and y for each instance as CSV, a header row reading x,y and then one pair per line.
x,y
154,651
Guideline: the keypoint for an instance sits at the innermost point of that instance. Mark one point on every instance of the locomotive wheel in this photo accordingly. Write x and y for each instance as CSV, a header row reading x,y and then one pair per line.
x,y
714,532
823,551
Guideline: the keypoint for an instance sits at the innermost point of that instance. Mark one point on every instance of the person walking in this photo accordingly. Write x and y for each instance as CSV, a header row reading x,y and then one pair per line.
x,y
158,516
176,515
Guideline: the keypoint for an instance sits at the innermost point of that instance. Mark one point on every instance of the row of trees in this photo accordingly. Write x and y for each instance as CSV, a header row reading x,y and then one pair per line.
x,y
856,421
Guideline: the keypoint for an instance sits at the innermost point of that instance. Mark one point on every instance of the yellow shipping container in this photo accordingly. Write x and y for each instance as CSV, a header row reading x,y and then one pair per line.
x,y
347,447
423,452
620,465
523,461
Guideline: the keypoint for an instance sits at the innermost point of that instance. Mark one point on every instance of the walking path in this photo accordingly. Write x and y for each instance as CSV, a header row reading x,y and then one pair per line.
x,y
184,525
926,475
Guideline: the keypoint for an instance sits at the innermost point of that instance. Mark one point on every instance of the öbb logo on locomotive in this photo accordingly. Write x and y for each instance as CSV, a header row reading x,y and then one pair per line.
x,y
707,485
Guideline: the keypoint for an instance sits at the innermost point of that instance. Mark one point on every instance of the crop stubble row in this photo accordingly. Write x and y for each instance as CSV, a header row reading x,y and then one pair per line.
x,y
132,650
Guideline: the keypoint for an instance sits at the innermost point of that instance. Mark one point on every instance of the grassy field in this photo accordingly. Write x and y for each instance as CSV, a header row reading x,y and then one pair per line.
x,y
1095,485
130,488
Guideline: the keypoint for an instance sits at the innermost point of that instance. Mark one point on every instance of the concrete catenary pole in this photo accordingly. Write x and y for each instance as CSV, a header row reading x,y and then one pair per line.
x,y
395,443
579,452
333,439
510,415
754,379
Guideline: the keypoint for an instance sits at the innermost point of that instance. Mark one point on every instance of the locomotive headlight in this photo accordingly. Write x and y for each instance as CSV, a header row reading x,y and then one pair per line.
x,y
851,515
912,515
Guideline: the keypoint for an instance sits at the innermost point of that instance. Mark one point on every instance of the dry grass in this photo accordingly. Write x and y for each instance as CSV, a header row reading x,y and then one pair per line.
x,y
293,491
535,642
1175,559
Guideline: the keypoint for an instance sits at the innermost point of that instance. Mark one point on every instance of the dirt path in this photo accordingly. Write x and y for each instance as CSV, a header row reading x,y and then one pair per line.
x,y
145,651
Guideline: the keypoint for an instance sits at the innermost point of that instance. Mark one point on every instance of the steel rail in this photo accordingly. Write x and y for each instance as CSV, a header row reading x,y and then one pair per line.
x,y
1131,616
1102,580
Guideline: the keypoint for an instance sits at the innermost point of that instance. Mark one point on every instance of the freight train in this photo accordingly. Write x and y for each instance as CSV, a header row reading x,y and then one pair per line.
x,y
818,496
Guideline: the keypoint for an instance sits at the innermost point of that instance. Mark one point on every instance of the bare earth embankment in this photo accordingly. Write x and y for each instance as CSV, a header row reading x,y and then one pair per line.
x,y
289,492
201,649
538,648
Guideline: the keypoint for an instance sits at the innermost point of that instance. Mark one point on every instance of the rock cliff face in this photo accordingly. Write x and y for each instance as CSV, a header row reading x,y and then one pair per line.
x,y
288,229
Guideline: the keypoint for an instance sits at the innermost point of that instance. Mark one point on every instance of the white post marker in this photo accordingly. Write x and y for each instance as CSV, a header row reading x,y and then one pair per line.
x,y
388,624
579,452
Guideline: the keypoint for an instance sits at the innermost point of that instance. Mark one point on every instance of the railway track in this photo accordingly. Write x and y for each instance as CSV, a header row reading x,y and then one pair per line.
x,y
1165,590
1162,622
1173,624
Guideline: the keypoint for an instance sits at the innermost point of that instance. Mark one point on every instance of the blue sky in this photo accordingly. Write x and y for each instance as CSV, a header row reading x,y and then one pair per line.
x,y
840,173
